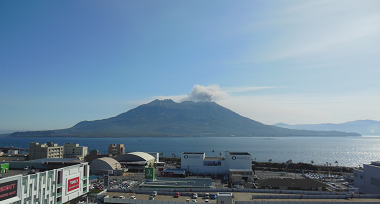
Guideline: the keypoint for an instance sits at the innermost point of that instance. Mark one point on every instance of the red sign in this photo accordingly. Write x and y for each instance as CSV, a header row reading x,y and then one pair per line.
x,y
72,184
8,190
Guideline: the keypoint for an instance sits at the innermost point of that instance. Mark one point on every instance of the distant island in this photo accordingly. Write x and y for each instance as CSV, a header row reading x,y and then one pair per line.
x,y
363,127
168,118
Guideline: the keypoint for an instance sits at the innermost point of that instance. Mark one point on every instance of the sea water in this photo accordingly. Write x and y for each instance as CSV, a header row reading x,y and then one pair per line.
x,y
347,151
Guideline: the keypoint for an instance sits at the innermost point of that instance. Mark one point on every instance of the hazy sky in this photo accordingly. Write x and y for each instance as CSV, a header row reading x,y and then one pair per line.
x,y
296,62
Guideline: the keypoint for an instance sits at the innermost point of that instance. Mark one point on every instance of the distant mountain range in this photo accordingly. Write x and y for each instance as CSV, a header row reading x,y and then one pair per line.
x,y
363,127
167,118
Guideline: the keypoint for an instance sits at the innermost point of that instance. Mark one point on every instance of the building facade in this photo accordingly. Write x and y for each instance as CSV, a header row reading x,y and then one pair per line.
x,y
198,163
47,150
71,150
116,149
56,186
367,179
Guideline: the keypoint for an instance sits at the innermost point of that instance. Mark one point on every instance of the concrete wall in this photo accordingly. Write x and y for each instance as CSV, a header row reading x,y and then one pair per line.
x,y
239,161
367,179
372,179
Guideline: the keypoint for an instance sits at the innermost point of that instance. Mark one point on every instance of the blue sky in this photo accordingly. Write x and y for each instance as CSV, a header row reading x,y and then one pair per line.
x,y
297,62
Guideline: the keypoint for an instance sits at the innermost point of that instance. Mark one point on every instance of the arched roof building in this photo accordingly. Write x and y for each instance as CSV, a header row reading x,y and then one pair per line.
x,y
135,157
136,161
105,163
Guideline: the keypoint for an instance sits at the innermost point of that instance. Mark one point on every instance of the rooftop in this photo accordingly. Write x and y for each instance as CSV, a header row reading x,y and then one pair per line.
x,y
193,153
376,163
239,153
178,183
56,160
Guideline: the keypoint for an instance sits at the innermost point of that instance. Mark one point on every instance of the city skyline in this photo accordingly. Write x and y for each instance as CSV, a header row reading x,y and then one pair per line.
x,y
296,62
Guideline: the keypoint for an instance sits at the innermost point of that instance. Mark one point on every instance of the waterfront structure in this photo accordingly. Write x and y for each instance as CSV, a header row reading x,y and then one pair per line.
x,y
239,163
103,165
71,150
116,149
367,179
47,150
156,156
136,161
62,185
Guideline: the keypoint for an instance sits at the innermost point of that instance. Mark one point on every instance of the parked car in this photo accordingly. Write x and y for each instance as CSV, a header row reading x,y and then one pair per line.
x,y
207,196
133,197
122,197
213,196
151,198
176,195
207,200
154,193
195,196
194,200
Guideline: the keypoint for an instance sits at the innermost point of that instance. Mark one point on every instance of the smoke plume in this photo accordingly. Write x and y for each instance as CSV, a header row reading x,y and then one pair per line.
x,y
206,93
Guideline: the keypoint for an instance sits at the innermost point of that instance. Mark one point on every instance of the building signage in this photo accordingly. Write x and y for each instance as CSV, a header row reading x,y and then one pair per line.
x,y
235,157
8,190
192,157
150,173
73,184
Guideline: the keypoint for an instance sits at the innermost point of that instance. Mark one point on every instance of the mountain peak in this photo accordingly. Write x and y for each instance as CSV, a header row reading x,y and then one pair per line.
x,y
188,118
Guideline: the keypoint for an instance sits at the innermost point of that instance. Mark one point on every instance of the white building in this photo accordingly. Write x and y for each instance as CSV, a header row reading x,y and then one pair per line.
x,y
367,179
67,184
71,150
198,163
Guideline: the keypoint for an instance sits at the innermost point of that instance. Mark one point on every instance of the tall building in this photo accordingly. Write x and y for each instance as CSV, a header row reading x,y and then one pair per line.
x,y
367,179
47,150
116,149
71,150
68,184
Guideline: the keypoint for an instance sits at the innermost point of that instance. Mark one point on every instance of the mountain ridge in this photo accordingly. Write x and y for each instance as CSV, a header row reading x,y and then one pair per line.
x,y
363,127
168,118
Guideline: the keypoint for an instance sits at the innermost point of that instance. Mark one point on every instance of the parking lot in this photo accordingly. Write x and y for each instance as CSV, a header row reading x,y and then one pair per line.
x,y
273,174
181,198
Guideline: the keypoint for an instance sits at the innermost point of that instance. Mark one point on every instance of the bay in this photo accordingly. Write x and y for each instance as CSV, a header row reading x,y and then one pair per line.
x,y
348,151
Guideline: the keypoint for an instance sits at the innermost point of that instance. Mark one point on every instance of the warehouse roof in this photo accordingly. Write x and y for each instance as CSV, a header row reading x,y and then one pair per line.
x,y
134,157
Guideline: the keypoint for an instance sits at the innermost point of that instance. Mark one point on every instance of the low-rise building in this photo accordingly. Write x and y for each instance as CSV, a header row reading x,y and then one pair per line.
x,y
71,150
367,179
47,150
198,163
116,149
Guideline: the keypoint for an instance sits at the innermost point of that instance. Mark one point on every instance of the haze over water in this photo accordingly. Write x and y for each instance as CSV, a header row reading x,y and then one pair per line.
x,y
348,151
